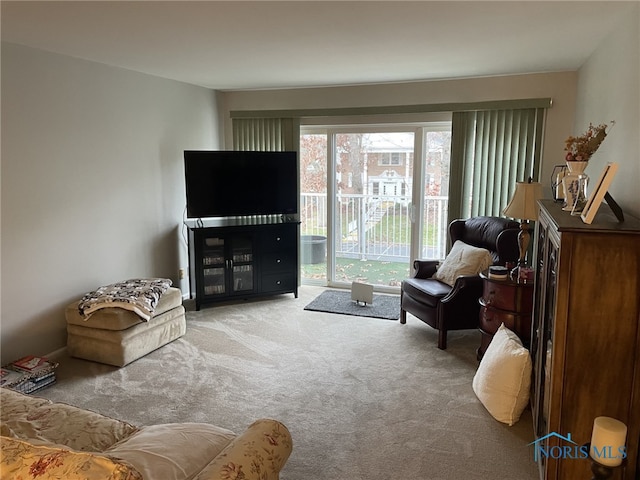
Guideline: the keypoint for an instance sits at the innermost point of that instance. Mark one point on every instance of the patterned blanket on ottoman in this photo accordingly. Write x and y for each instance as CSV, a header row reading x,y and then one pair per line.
x,y
139,295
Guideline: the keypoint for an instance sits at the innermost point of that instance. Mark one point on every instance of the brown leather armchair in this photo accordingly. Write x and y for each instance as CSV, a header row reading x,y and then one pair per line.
x,y
456,308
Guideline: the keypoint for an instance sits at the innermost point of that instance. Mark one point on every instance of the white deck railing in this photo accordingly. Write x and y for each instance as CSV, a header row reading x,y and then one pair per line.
x,y
376,227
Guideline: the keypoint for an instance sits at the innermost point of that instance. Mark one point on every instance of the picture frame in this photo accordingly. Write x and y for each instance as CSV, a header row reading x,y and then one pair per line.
x,y
598,193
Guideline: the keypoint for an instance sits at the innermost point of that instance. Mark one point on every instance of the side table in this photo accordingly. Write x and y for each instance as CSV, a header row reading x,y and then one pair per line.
x,y
505,301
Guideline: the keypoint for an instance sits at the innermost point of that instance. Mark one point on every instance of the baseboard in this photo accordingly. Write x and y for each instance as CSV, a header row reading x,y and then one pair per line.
x,y
57,353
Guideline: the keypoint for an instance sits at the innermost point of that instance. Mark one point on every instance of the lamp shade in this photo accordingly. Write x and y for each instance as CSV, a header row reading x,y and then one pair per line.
x,y
608,441
523,203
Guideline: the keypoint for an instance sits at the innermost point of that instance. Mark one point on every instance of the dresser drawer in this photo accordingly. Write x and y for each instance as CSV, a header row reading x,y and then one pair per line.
x,y
279,282
491,319
508,296
276,262
278,238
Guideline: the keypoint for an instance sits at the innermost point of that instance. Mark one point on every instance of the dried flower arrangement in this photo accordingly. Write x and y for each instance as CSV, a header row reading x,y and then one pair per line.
x,y
580,149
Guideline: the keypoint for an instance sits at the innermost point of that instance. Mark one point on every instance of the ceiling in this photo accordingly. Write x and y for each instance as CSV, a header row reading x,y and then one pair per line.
x,y
265,44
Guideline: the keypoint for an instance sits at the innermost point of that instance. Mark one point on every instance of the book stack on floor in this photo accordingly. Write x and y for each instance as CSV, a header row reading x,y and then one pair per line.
x,y
28,374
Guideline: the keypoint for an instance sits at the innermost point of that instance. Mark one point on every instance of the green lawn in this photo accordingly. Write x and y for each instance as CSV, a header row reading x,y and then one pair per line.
x,y
367,271
391,229
395,229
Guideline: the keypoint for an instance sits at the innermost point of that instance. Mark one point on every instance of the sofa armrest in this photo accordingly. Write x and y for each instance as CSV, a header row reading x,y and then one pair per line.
x,y
424,268
258,453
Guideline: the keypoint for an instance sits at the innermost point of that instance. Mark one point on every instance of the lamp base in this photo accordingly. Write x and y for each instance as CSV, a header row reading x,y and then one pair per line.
x,y
515,271
523,244
600,472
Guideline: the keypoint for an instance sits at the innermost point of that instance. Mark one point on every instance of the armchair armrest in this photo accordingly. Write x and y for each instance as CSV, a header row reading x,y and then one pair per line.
x,y
465,284
258,453
507,246
424,268
456,230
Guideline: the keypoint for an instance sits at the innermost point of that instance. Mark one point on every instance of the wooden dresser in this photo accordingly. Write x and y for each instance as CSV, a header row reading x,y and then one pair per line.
x,y
504,301
585,336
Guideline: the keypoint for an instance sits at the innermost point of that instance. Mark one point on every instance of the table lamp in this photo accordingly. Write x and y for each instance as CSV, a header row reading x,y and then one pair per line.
x,y
607,449
523,206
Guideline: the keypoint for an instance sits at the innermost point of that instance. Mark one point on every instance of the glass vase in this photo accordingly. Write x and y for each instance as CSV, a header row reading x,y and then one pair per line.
x,y
580,200
571,184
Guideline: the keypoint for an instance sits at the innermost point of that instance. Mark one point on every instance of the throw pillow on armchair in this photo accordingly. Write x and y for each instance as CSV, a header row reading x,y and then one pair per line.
x,y
463,259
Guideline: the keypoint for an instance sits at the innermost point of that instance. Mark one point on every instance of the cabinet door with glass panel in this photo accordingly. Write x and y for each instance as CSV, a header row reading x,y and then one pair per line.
x,y
228,264
241,265
542,333
214,266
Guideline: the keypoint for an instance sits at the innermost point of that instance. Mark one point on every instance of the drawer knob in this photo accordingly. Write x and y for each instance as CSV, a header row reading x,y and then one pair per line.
x,y
278,260
278,282
278,239
490,296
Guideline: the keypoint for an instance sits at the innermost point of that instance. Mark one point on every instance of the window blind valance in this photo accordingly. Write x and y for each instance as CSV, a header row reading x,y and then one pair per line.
x,y
396,109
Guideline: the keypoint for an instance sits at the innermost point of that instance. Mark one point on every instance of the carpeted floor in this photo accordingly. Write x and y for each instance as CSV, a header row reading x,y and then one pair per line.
x,y
339,301
369,400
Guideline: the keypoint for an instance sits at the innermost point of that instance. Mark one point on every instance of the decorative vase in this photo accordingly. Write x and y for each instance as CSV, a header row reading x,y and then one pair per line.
x,y
580,200
577,167
575,187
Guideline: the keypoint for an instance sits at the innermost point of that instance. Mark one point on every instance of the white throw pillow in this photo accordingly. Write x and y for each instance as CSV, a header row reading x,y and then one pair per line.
x,y
463,259
503,378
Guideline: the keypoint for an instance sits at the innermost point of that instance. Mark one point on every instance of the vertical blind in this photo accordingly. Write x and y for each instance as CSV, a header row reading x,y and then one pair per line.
x,y
491,148
266,134
490,151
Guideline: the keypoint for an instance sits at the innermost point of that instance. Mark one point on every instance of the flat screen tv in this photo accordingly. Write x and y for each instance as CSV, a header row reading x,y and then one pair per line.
x,y
226,183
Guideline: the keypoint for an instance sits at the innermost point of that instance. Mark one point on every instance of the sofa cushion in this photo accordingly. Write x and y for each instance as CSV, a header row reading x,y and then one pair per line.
x,y
22,460
463,259
36,419
152,451
503,378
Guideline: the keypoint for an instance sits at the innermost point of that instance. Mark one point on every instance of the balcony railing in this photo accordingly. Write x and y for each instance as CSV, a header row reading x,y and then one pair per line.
x,y
377,227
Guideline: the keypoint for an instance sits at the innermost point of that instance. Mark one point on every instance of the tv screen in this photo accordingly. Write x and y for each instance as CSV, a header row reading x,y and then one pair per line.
x,y
233,183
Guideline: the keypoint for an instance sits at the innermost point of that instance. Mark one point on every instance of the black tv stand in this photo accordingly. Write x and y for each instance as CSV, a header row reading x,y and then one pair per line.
x,y
242,257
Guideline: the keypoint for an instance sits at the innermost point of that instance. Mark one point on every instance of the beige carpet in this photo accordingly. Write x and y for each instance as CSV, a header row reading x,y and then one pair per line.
x,y
364,398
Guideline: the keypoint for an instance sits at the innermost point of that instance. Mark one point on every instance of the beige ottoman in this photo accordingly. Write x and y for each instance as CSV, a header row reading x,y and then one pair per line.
x,y
117,337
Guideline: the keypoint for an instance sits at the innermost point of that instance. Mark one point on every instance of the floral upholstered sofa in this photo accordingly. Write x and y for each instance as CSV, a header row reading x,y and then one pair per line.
x,y
44,440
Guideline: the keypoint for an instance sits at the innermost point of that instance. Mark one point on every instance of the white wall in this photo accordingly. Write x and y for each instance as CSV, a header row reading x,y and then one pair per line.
x,y
609,89
561,87
92,184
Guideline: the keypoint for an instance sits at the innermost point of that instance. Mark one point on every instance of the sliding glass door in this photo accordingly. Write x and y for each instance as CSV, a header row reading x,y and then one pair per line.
x,y
371,201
